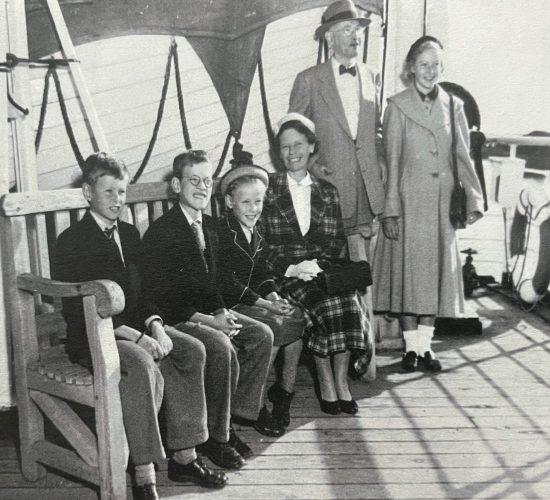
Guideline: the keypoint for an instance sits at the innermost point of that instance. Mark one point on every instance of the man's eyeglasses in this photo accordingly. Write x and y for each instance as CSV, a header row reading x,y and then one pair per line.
x,y
352,30
196,180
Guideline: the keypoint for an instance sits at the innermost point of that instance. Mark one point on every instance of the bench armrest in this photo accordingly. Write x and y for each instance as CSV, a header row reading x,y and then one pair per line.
x,y
109,295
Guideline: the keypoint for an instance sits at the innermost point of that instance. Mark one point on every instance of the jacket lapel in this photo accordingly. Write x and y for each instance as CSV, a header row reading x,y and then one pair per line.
x,y
284,203
410,104
103,243
318,204
331,96
239,238
185,236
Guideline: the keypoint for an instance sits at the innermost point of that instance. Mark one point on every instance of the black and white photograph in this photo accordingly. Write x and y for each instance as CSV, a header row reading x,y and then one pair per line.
x,y
274,249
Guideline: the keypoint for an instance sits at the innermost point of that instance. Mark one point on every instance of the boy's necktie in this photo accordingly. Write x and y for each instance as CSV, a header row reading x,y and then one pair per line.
x,y
199,238
109,233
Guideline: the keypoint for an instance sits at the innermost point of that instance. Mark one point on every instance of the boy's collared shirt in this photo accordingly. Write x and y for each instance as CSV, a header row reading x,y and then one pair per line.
x,y
247,232
188,215
103,226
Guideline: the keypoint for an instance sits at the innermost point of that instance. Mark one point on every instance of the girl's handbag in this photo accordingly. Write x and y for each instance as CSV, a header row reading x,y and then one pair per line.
x,y
458,197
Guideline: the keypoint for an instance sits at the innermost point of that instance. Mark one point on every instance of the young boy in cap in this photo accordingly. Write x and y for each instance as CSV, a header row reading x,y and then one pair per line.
x,y
247,285
155,367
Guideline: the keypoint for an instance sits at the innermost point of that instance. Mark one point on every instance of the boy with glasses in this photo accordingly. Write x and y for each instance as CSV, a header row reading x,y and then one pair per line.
x,y
181,262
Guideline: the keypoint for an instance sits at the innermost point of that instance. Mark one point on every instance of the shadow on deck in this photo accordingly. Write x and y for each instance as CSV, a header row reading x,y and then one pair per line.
x,y
479,429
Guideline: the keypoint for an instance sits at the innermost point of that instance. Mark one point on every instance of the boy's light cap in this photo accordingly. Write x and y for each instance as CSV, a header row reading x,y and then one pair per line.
x,y
295,117
241,171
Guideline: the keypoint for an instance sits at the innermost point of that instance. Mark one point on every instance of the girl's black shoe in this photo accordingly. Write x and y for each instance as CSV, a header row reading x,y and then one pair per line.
x,y
409,361
430,363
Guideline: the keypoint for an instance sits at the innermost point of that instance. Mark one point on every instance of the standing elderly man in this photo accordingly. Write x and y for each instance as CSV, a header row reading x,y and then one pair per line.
x,y
340,97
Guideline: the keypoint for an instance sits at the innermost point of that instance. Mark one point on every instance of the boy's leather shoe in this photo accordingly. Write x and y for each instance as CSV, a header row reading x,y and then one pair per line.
x,y
240,446
264,425
409,361
145,492
222,454
196,472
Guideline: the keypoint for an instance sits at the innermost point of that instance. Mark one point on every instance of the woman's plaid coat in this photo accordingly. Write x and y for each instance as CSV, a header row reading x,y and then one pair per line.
x,y
335,323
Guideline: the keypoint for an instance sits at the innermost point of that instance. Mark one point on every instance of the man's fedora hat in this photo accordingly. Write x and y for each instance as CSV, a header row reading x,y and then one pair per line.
x,y
342,10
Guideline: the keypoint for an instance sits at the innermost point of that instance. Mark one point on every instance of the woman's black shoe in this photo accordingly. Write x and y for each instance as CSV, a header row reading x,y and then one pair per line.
x,y
330,407
281,400
349,407
409,361
430,363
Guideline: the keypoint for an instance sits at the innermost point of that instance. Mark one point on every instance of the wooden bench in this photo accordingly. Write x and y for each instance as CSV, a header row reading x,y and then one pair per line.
x,y
46,381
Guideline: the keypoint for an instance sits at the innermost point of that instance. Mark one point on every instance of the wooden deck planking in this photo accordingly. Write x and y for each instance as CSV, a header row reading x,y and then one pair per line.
x,y
479,429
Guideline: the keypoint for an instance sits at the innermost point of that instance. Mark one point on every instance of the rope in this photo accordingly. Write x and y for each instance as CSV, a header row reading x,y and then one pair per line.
x,y
43,109
224,152
68,127
160,112
172,54
265,108
186,138
17,106
12,60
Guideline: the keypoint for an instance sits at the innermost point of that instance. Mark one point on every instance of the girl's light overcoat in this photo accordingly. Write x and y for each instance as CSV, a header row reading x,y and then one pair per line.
x,y
420,273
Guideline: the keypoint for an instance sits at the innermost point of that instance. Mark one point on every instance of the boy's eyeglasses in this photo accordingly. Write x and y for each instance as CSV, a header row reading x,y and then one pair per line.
x,y
196,180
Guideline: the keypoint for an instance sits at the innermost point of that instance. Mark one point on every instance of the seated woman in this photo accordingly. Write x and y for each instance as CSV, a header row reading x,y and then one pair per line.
x,y
247,285
304,230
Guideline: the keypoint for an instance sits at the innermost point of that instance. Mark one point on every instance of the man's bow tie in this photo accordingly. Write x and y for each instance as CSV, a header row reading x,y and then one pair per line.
x,y
351,70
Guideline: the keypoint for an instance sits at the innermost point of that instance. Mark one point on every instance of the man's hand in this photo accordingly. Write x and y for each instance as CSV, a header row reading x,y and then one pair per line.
x,y
159,334
390,226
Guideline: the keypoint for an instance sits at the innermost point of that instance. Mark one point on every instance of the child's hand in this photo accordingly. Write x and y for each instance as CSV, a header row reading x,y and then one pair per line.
x,y
164,341
151,346
281,306
226,322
